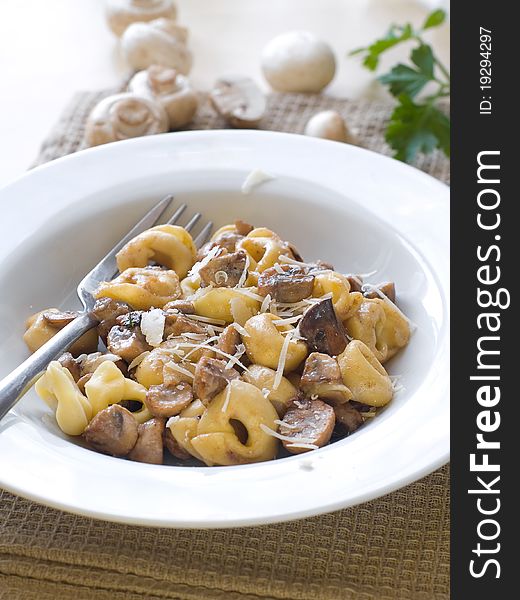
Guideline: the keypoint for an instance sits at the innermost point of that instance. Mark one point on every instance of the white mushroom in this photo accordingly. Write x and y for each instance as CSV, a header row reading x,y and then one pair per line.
x,y
159,42
124,116
329,125
239,100
297,61
121,13
171,90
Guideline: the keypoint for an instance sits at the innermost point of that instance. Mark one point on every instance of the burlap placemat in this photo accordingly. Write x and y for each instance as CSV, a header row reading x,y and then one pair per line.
x,y
393,548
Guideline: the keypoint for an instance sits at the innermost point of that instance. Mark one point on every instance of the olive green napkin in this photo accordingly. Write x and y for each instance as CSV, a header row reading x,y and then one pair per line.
x,y
393,548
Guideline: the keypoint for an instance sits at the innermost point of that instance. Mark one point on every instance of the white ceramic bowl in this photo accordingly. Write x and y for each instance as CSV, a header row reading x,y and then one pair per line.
x,y
357,209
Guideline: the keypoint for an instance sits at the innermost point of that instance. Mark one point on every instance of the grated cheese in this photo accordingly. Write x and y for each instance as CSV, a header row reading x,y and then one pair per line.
x,y
138,360
213,253
284,438
288,321
307,446
291,261
173,365
206,320
216,350
241,349
281,361
241,330
287,425
254,179
250,294
152,326
278,268
265,304
244,273
228,398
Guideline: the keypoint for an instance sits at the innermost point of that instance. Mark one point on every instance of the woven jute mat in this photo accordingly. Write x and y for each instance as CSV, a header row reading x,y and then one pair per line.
x,y
393,548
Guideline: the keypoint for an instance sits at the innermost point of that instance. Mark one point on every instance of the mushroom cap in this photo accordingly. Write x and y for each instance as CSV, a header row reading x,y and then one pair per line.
x,y
158,42
297,61
329,125
121,13
239,100
123,116
170,89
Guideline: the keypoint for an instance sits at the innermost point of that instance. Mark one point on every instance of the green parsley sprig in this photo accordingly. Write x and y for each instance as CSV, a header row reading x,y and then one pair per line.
x,y
416,125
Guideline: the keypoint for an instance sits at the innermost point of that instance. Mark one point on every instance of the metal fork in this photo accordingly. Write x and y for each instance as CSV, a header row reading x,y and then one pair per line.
x,y
14,386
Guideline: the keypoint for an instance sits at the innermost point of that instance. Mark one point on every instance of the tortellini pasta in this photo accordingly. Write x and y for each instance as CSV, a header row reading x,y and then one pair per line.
x,y
220,354
74,410
217,441
380,326
109,386
57,388
264,248
364,375
263,378
345,302
215,303
142,288
167,245
265,341
40,330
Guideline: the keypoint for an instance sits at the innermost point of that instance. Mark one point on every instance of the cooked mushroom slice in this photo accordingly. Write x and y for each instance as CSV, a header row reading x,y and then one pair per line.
x,y
112,431
307,423
239,100
106,310
356,283
211,377
226,240
322,329
127,343
44,325
292,285
130,319
322,377
387,288
224,270
91,362
183,306
177,324
149,445
347,416
167,401
242,227
59,319
69,362
82,381
173,447
228,340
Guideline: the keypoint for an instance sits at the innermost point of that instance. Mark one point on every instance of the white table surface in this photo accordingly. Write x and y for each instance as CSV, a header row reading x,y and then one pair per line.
x,y
50,49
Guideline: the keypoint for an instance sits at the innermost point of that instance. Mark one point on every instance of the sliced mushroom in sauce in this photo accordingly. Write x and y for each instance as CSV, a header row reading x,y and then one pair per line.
x,y
112,431
167,401
307,423
211,377
224,270
149,445
286,284
322,330
322,377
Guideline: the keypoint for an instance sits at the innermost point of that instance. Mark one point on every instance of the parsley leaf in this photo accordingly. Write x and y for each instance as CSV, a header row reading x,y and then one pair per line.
x,y
415,128
415,125
406,80
394,36
436,18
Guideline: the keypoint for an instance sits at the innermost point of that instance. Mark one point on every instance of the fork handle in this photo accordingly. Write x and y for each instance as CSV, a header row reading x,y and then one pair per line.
x,y
14,386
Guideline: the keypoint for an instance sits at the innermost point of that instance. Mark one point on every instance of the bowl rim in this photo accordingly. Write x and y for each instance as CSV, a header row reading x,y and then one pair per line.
x,y
227,141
